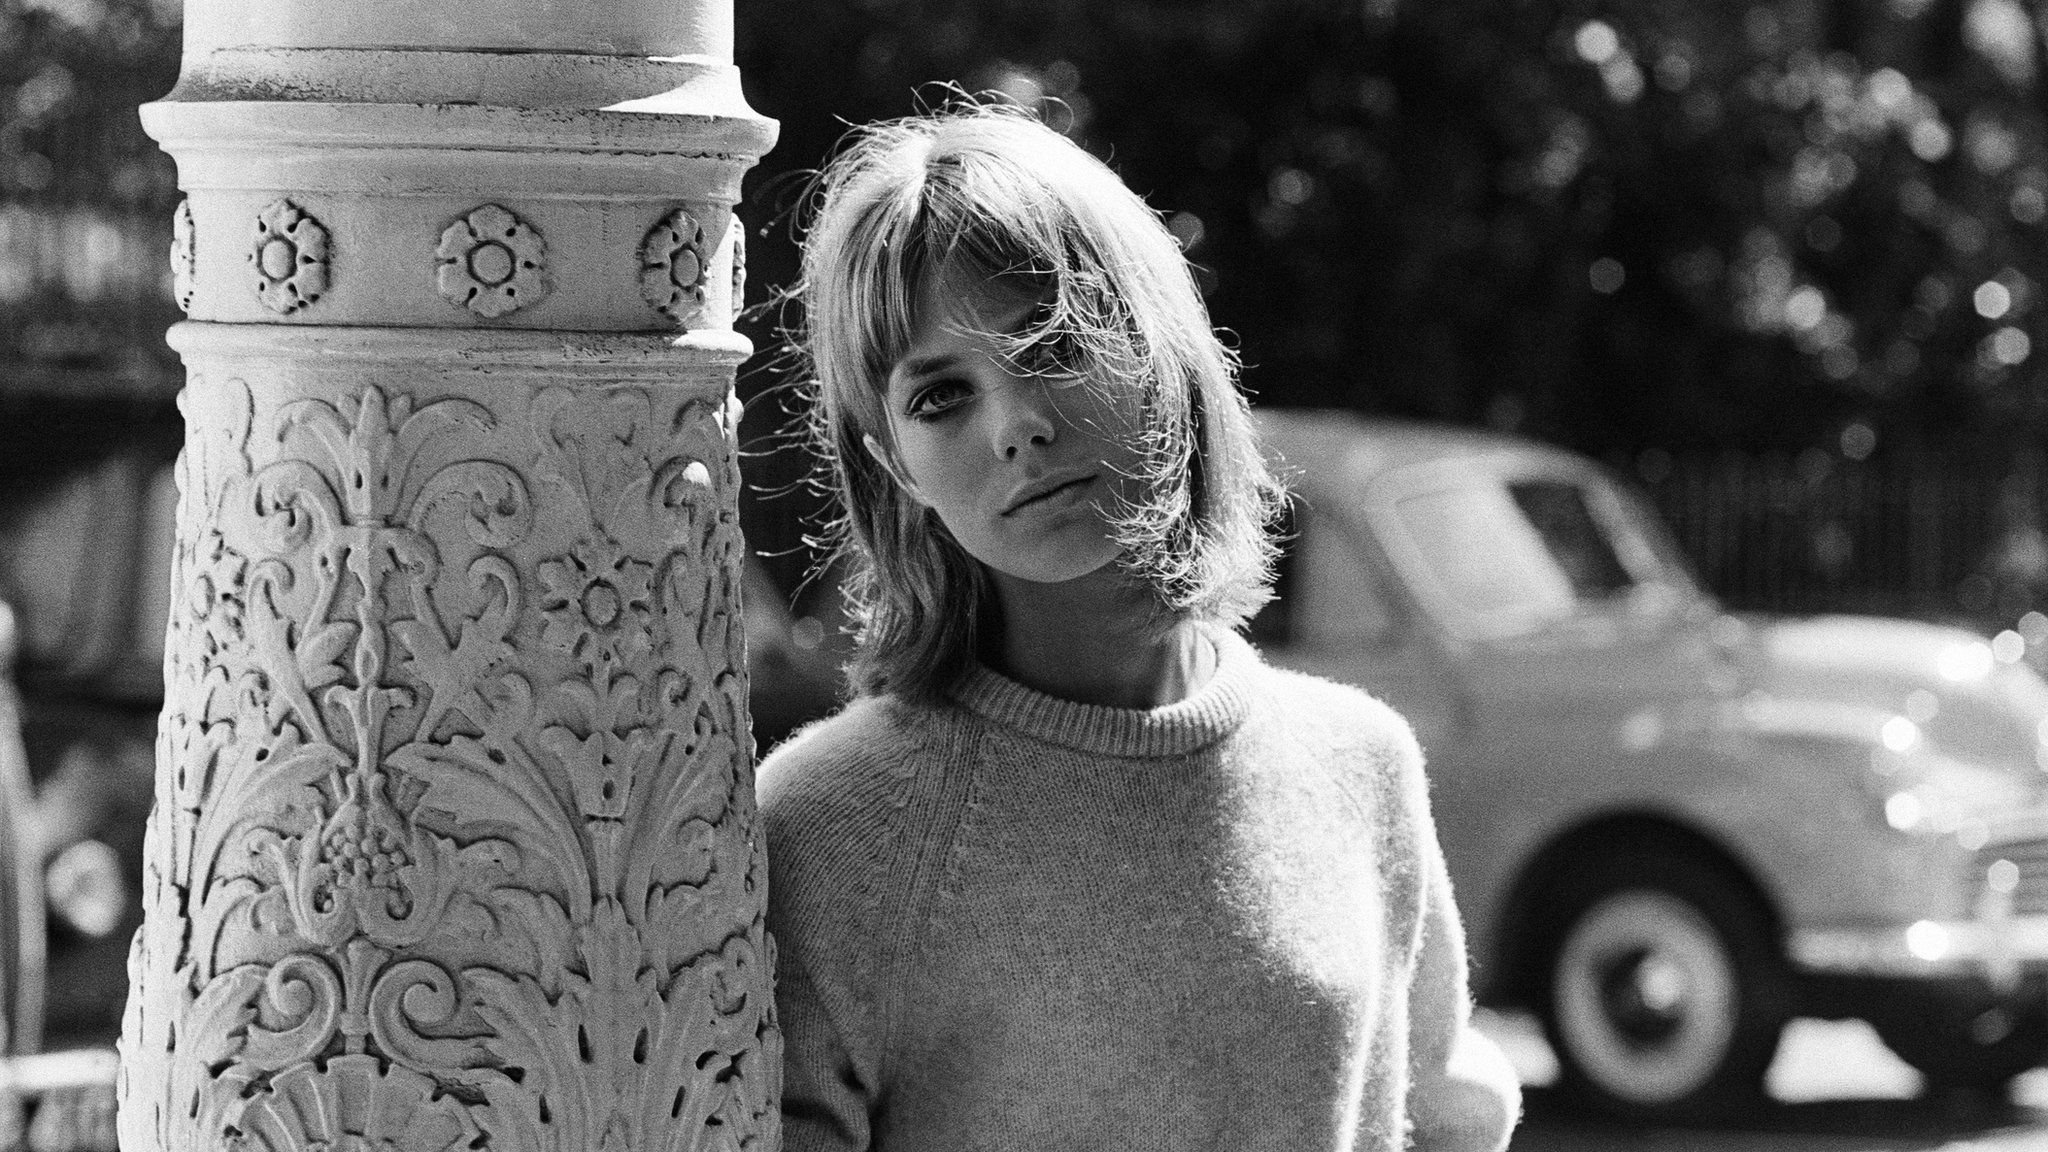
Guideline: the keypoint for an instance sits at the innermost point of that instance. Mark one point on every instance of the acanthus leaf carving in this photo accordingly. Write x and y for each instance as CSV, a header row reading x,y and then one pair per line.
x,y
464,674
353,1103
640,1074
450,765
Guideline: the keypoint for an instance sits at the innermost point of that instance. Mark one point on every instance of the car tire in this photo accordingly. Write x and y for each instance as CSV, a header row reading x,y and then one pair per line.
x,y
1664,992
1960,1045
21,892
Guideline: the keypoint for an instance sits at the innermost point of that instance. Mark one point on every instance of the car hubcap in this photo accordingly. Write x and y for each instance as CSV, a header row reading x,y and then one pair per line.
x,y
1645,997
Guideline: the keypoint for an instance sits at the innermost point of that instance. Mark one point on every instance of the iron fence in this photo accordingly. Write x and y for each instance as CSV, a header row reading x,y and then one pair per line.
x,y
1936,538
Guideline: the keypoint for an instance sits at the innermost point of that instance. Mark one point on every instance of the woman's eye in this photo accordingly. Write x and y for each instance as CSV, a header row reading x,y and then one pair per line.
x,y
936,399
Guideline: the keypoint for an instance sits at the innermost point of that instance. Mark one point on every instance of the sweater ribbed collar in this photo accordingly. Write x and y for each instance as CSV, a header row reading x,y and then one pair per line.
x,y
1213,712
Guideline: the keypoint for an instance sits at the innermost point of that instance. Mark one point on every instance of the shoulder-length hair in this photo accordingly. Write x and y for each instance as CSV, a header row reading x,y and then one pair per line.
x,y
987,191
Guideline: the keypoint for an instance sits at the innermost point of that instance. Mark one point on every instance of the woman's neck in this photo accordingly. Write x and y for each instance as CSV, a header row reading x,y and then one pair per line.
x,y
1096,640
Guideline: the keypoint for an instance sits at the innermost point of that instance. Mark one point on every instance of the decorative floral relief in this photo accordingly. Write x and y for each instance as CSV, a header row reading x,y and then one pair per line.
x,y
290,258
738,232
673,264
353,1104
614,1088
492,262
453,841
598,603
183,256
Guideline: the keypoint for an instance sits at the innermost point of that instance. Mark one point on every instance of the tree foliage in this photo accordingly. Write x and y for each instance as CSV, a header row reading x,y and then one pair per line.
x,y
85,200
1612,224
1620,224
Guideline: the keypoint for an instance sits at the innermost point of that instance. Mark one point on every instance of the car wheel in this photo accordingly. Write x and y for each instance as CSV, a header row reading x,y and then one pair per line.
x,y
1959,1045
1665,992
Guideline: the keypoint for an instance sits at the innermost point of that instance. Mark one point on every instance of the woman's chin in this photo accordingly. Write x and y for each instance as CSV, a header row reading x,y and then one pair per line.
x,y
1051,572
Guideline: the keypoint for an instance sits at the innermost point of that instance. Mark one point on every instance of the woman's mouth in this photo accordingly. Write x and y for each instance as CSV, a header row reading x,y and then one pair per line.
x,y
1041,493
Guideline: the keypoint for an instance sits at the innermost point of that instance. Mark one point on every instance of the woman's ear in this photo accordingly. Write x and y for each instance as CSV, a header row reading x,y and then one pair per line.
x,y
889,465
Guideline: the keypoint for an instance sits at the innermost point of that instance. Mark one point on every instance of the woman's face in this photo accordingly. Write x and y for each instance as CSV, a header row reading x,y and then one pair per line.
x,y
1025,470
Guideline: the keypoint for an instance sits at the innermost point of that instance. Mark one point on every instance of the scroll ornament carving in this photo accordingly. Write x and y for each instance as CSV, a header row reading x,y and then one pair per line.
x,y
290,258
184,263
492,262
673,264
454,839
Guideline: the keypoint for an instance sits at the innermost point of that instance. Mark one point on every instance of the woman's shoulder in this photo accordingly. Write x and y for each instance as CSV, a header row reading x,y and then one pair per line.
x,y
1325,710
1356,740
838,817
857,760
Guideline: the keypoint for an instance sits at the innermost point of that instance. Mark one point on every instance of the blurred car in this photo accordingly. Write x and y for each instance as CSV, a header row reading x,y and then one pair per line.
x,y
84,558
1672,828
21,904
58,1101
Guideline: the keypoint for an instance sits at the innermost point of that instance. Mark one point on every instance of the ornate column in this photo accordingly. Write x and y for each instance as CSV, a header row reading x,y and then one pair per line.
x,y
454,840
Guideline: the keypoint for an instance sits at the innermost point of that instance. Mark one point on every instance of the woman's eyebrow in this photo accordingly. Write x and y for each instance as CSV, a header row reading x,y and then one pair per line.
x,y
921,365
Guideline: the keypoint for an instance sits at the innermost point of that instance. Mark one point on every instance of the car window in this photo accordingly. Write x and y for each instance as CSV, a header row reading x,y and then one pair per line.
x,y
1479,547
91,597
1558,511
43,563
1520,553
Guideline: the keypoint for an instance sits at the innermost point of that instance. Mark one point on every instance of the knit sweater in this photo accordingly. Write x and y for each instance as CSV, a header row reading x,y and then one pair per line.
x,y
1019,922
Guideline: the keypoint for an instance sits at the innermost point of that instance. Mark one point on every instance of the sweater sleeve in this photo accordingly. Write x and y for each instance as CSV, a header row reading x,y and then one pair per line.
x,y
826,1100
824,807
1463,1095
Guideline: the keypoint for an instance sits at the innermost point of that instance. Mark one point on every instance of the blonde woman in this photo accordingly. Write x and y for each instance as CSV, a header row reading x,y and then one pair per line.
x,y
1075,869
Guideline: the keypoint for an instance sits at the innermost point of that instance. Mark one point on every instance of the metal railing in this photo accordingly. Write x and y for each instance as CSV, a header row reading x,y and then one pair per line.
x,y
1915,535
58,1102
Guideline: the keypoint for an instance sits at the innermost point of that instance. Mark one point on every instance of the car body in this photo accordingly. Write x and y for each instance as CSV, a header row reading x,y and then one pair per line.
x,y
61,1101
1671,827
21,904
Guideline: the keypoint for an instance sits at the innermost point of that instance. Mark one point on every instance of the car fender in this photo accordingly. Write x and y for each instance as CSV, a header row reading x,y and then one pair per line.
x,y
1798,831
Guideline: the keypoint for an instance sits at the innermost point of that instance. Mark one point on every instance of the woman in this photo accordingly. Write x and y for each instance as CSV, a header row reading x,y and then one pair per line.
x,y
1076,869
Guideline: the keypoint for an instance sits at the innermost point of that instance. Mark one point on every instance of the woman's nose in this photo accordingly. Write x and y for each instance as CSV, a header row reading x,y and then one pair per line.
x,y
1026,417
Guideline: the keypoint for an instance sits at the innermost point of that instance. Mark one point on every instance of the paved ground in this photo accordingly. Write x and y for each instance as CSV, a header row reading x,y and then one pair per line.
x,y
1835,1088
1808,1128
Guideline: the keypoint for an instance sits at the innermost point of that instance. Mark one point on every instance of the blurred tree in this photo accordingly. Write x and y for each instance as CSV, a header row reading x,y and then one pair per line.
x,y
85,197
1615,224
1619,224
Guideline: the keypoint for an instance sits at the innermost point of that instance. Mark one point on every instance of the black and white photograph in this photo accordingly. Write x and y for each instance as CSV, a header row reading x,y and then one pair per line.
x,y
972,575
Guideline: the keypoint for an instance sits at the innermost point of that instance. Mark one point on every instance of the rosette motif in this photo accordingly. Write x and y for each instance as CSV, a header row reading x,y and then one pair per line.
x,y
492,262
289,256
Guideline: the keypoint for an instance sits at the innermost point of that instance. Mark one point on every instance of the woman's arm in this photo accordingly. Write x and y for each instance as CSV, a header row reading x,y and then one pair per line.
x,y
827,1100
824,809
1462,1093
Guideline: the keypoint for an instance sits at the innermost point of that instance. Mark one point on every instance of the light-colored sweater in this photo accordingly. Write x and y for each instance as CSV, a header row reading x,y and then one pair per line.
x,y
1018,922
